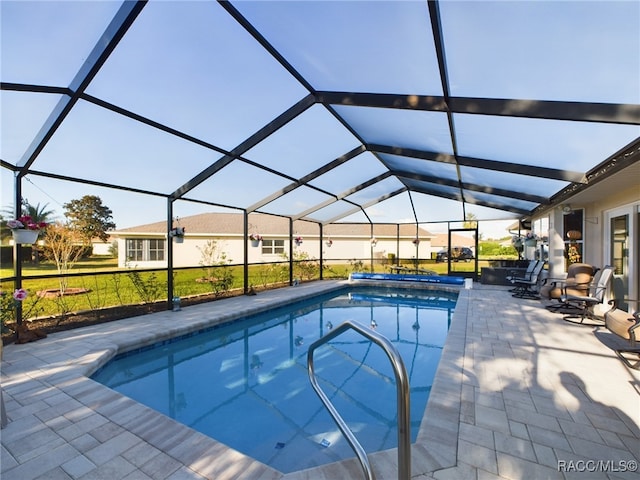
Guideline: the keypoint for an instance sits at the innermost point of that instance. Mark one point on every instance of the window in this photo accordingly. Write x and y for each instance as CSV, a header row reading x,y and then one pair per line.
x,y
134,250
156,249
573,233
272,247
145,250
541,229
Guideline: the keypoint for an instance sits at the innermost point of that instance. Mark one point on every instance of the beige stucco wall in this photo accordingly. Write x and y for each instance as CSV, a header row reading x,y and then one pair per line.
x,y
596,248
189,253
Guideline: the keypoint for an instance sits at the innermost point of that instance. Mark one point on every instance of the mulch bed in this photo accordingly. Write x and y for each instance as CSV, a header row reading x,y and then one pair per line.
x,y
55,292
103,315
93,317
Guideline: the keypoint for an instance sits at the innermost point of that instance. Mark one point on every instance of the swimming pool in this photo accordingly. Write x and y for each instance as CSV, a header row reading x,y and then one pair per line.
x,y
245,384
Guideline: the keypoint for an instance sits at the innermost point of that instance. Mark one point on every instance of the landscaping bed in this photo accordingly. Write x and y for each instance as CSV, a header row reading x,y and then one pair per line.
x,y
86,318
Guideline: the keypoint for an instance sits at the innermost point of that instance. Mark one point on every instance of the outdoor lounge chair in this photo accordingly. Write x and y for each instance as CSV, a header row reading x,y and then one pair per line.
x,y
529,288
577,282
626,326
518,276
584,305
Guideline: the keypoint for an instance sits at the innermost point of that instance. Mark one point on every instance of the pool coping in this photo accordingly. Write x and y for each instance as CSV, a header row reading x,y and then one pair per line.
x,y
64,362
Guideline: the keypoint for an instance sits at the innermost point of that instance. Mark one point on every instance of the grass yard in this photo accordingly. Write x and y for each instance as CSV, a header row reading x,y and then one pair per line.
x,y
105,286
98,290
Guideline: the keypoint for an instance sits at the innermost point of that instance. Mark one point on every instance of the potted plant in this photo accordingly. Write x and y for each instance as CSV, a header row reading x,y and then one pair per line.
x,y
177,233
298,240
255,238
374,241
329,242
531,239
415,241
25,230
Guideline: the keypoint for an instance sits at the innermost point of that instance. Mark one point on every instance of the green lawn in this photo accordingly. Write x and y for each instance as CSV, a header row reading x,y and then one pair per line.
x,y
129,286
93,264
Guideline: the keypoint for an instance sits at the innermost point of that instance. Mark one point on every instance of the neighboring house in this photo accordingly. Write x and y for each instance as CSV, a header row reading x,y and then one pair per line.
x,y
98,247
146,245
441,240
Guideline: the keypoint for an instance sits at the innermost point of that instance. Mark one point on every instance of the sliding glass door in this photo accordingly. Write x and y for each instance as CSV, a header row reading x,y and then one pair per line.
x,y
622,234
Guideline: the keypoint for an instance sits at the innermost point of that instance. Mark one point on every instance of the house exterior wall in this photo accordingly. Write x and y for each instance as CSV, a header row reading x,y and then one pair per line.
x,y
596,233
101,248
189,252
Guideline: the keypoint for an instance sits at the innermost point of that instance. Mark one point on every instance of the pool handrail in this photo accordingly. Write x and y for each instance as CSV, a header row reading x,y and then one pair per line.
x,y
402,387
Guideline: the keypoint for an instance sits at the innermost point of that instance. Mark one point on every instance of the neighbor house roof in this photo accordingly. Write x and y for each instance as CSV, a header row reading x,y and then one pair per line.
x,y
233,224
441,240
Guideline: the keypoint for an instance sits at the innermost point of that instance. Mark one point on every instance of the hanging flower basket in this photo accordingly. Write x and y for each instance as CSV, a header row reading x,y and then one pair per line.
x,y
24,235
298,240
374,241
255,239
531,240
415,241
25,230
329,242
178,234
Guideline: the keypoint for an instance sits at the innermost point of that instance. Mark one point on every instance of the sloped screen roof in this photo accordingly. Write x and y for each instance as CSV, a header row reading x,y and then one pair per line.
x,y
326,111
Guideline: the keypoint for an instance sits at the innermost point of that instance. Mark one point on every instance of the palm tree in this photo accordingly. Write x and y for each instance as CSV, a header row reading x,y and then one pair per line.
x,y
37,213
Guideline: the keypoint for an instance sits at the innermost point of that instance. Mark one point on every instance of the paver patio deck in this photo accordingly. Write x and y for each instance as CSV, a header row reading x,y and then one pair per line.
x,y
519,393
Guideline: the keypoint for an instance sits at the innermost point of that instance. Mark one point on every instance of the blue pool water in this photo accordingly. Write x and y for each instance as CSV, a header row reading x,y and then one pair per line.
x,y
246,383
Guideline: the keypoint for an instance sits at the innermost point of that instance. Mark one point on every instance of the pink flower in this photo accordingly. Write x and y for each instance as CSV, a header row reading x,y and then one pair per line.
x,y
13,224
20,294
27,222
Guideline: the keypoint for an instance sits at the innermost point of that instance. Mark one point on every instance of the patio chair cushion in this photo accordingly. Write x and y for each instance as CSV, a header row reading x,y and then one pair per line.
x,y
626,326
579,276
621,322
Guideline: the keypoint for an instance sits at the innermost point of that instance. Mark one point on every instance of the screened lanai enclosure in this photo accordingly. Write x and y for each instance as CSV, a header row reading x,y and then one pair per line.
x,y
364,115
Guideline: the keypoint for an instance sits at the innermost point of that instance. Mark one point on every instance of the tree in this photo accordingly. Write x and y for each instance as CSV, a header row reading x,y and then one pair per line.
x,y
90,217
63,246
37,213
472,222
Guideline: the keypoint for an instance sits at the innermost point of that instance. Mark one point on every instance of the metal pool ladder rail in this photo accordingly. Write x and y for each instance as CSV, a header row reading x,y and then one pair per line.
x,y
402,386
